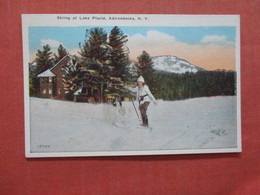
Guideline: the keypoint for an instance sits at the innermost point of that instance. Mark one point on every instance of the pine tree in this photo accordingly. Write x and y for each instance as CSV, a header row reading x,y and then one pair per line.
x,y
96,59
95,46
33,80
42,62
145,66
118,53
43,59
71,79
62,52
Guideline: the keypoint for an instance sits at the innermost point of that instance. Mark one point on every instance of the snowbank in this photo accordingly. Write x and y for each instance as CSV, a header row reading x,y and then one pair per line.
x,y
189,124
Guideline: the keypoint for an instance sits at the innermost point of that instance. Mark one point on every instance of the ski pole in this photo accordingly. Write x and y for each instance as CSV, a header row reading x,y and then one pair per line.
x,y
135,109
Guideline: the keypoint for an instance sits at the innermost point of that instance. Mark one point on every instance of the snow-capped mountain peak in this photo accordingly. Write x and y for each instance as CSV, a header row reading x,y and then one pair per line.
x,y
174,64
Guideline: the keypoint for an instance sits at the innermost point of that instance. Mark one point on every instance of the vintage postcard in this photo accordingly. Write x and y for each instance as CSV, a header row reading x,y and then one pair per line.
x,y
111,85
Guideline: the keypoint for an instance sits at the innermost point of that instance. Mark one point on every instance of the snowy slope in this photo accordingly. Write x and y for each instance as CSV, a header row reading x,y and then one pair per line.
x,y
68,126
174,64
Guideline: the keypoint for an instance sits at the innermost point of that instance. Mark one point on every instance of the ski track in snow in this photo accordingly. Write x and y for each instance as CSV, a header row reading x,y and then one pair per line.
x,y
188,124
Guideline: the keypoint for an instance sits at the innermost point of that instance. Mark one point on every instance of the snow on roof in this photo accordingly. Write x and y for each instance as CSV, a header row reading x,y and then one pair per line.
x,y
60,61
34,63
47,73
78,91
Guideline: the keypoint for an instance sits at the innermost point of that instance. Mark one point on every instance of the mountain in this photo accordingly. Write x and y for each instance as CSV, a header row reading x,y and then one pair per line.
x,y
174,64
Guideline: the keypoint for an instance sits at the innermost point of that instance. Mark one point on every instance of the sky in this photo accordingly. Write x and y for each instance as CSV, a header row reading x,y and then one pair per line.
x,y
210,47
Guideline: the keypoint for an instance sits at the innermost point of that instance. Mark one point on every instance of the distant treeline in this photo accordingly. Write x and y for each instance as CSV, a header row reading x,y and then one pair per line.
x,y
171,86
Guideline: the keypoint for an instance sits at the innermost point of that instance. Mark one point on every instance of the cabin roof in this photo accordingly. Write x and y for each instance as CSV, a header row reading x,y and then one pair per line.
x,y
66,56
47,73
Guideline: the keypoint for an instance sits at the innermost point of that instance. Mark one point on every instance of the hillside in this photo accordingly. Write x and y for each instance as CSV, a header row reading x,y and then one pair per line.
x,y
174,64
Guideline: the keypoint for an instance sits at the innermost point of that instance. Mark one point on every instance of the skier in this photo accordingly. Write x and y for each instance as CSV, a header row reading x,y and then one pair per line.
x,y
144,97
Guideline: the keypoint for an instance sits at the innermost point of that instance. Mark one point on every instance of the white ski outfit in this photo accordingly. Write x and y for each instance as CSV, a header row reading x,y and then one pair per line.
x,y
143,94
144,97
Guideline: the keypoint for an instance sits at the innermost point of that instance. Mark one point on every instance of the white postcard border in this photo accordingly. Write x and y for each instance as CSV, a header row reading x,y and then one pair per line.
x,y
139,20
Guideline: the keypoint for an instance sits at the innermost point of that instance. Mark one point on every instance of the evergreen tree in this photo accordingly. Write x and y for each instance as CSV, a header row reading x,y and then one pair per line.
x,y
43,59
98,55
96,59
42,62
71,79
62,52
118,53
172,86
95,47
33,80
145,66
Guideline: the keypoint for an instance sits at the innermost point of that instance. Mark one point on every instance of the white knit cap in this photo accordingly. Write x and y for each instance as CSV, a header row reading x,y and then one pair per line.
x,y
140,79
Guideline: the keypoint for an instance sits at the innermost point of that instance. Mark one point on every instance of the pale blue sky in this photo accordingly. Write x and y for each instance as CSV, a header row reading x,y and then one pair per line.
x,y
71,36
168,40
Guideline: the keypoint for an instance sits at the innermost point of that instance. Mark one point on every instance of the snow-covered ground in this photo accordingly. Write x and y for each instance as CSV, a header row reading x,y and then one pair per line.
x,y
199,123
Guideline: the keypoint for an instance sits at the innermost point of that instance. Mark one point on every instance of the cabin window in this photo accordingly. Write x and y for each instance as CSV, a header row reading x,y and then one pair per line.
x,y
50,79
50,91
44,91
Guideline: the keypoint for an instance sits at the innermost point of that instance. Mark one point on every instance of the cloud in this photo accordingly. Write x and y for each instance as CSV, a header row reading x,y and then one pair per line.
x,y
154,42
74,51
152,38
212,52
216,39
51,43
